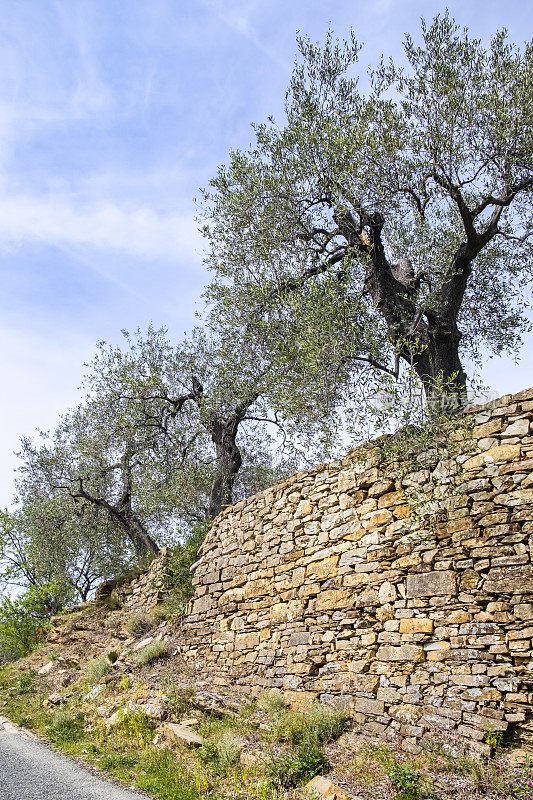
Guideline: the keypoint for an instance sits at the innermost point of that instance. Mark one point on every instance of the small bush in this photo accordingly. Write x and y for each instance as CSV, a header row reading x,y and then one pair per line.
x,y
139,624
493,738
24,684
317,724
229,750
407,782
296,767
96,669
178,699
221,755
65,727
282,771
312,761
160,613
151,652
112,656
273,703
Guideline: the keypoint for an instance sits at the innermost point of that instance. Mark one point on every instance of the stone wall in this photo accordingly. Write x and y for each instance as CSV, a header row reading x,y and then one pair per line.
x,y
401,591
148,589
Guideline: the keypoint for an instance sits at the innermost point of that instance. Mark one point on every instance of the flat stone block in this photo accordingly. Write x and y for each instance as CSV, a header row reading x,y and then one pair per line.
x,y
430,584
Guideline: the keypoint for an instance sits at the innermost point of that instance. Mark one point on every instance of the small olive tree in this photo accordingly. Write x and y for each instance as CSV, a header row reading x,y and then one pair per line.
x,y
153,449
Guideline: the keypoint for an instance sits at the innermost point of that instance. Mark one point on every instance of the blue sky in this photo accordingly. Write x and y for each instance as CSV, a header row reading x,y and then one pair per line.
x,y
112,115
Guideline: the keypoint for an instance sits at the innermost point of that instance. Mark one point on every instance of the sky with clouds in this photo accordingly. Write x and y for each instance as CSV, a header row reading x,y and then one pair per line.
x,y
112,115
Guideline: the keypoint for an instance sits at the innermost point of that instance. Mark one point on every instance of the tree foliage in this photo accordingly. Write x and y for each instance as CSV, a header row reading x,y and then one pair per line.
x,y
388,231
150,452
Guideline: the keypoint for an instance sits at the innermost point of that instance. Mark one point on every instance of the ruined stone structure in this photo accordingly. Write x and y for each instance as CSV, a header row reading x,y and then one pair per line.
x,y
401,591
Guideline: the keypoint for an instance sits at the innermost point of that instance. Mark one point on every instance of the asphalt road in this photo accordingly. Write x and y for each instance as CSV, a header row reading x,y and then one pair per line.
x,y
30,771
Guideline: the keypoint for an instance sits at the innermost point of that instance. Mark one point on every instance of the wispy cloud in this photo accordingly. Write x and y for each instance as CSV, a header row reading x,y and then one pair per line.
x,y
237,15
105,225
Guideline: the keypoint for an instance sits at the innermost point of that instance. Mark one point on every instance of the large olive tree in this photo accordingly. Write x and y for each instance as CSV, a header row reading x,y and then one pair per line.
x,y
384,230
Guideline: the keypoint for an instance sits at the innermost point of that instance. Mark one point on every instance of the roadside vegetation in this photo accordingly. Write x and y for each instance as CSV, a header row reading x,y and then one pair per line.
x,y
266,751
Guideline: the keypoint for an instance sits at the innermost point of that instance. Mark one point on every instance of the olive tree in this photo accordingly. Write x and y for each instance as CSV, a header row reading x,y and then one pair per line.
x,y
153,448
384,232
51,540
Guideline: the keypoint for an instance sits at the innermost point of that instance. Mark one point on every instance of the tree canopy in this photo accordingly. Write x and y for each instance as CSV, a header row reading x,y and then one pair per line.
x,y
384,232
150,452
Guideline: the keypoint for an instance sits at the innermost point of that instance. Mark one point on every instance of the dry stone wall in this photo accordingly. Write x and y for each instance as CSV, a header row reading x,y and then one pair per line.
x,y
401,591
147,589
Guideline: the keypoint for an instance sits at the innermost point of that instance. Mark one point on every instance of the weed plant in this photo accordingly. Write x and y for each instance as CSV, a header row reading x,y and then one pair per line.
x,y
139,624
407,782
221,756
66,727
151,652
96,669
178,698
164,777
134,727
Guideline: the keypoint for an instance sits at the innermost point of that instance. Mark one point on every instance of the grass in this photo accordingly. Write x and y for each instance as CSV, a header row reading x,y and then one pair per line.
x,y
150,652
96,669
165,777
465,764
139,624
66,727
296,739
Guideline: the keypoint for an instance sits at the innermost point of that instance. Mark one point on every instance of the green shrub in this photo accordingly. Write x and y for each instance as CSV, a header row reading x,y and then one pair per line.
x,y
273,703
282,770
179,576
96,669
298,766
139,624
221,755
24,684
24,621
407,782
151,652
317,724
178,698
65,727
312,761
112,656
493,738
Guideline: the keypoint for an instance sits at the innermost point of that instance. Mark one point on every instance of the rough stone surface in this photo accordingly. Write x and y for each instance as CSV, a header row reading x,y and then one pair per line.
x,y
400,591
180,733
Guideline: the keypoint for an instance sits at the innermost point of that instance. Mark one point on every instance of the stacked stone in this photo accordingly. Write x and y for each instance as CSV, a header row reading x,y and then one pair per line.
x,y
148,589
402,593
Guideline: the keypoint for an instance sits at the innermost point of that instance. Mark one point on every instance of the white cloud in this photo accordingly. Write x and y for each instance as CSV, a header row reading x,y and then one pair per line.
x,y
39,375
104,225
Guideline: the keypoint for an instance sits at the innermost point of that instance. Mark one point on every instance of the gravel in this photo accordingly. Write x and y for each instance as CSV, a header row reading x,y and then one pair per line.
x,y
30,771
